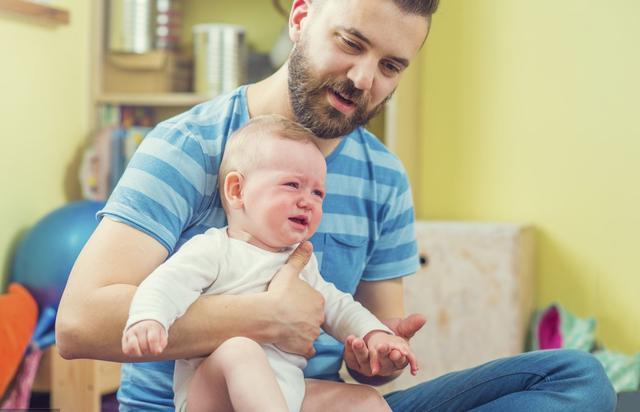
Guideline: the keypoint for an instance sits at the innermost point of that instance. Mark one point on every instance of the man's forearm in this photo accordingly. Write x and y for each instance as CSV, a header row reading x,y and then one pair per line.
x,y
93,328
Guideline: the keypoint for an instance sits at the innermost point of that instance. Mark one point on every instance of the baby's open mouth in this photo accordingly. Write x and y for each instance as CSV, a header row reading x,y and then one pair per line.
x,y
301,220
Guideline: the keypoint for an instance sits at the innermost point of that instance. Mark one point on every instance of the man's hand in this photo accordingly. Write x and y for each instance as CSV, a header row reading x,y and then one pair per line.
x,y
406,327
299,309
146,337
391,362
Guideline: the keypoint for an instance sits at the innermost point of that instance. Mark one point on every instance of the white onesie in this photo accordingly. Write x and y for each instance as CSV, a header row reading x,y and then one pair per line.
x,y
213,264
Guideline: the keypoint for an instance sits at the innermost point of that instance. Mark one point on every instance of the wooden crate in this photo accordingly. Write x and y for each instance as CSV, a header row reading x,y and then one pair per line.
x,y
476,290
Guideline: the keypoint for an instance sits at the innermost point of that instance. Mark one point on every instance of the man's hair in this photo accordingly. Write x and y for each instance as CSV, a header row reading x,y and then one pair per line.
x,y
420,7
242,153
423,8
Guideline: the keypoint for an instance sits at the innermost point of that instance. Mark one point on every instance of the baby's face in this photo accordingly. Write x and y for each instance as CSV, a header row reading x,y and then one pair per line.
x,y
283,198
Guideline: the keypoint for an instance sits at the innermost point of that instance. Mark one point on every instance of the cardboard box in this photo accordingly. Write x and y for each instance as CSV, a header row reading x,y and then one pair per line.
x,y
158,71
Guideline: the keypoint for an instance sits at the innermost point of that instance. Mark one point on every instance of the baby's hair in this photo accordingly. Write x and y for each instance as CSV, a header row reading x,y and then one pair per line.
x,y
243,153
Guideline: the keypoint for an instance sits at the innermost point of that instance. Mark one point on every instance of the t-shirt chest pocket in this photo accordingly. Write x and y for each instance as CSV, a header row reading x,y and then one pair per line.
x,y
343,260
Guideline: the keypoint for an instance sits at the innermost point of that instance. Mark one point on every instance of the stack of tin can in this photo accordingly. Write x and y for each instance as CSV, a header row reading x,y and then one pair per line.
x,y
168,24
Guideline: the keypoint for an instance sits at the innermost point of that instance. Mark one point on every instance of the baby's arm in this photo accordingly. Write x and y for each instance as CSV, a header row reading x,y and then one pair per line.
x,y
351,323
167,293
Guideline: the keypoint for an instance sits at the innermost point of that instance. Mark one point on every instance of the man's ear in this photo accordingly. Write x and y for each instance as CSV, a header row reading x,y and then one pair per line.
x,y
233,183
299,11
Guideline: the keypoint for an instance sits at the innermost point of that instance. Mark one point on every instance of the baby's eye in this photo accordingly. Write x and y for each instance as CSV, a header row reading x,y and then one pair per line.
x,y
294,185
319,193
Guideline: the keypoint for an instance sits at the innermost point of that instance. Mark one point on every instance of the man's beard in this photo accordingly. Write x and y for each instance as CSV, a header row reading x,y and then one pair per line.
x,y
307,95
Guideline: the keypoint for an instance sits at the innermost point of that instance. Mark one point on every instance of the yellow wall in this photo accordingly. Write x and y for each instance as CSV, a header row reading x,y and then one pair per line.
x,y
43,117
259,17
531,114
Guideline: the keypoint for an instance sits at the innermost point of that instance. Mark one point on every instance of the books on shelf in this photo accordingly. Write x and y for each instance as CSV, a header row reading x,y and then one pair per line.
x,y
124,142
122,130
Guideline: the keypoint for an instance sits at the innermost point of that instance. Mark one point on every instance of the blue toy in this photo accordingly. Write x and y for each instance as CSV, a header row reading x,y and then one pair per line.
x,y
46,254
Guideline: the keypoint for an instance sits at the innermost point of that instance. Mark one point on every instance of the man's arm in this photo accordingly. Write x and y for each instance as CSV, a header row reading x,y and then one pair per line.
x,y
117,257
385,299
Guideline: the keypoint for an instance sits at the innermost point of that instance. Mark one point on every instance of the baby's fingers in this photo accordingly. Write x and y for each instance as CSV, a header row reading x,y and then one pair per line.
x,y
141,337
413,363
130,346
360,350
374,364
157,340
398,359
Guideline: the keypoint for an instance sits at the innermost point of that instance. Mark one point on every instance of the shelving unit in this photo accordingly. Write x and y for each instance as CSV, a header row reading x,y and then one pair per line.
x,y
41,11
164,104
152,100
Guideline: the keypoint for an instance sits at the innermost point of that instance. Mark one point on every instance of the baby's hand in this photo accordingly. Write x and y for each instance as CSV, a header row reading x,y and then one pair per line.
x,y
397,349
146,337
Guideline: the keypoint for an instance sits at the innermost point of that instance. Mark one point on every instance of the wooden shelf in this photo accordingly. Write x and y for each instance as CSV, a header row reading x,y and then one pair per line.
x,y
165,99
75,385
27,8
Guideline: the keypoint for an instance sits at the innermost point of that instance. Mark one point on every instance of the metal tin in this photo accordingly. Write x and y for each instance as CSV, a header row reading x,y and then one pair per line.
x,y
220,57
131,25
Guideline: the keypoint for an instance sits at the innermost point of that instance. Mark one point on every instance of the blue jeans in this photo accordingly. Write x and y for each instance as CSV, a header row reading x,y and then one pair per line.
x,y
542,381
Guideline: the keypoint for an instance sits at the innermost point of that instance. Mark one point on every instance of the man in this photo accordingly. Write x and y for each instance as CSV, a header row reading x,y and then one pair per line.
x,y
347,61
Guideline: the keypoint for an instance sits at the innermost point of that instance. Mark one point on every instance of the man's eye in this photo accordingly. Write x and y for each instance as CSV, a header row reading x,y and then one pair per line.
x,y
390,68
350,44
292,184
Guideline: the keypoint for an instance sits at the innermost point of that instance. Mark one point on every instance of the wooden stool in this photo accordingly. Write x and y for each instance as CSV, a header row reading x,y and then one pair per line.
x,y
75,385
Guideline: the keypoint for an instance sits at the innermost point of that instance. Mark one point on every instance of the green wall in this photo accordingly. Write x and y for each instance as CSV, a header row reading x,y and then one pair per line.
x,y
44,105
530,114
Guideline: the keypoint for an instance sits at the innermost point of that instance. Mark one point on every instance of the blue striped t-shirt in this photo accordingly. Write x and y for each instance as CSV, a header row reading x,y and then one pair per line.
x,y
170,192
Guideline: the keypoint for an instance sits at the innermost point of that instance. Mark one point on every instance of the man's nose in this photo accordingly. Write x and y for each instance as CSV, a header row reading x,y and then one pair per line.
x,y
362,75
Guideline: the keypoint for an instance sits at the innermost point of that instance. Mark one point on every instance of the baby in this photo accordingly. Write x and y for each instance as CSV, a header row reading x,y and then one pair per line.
x,y
271,184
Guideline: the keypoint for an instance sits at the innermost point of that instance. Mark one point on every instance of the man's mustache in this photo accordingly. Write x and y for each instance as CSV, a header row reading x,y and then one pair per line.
x,y
349,90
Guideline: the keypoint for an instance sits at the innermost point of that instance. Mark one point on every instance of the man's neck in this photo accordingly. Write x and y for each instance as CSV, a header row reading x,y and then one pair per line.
x,y
271,96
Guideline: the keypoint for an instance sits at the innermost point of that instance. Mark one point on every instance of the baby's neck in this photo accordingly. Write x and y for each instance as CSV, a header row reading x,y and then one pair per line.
x,y
239,234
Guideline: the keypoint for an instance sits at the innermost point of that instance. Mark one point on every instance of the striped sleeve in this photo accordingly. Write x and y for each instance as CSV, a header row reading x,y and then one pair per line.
x,y
395,252
164,184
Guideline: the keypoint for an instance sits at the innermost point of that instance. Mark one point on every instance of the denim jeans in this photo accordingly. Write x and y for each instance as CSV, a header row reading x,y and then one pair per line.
x,y
543,381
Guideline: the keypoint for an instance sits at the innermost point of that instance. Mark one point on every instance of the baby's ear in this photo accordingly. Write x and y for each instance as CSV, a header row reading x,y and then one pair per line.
x,y
233,190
